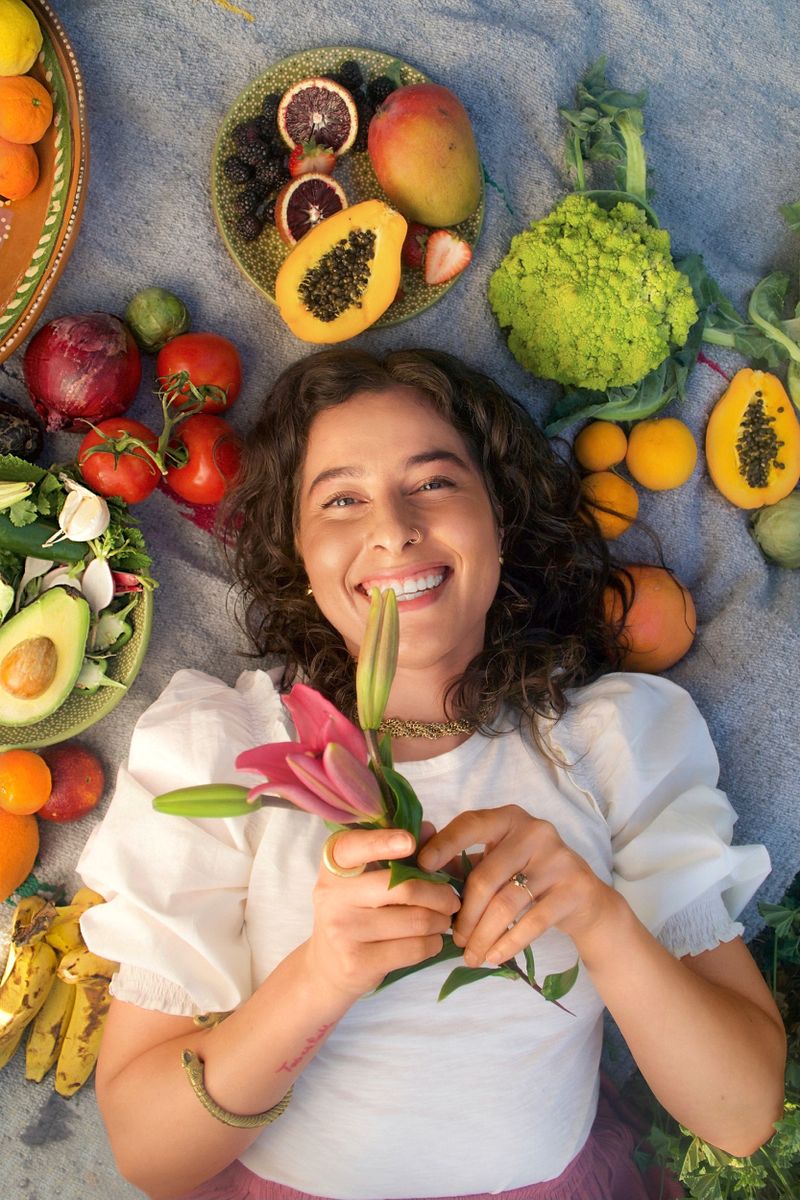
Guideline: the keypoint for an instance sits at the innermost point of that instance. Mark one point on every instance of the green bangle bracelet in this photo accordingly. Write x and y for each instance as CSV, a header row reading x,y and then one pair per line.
x,y
193,1066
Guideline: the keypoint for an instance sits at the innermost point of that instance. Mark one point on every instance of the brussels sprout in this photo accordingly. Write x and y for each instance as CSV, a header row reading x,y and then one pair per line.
x,y
155,316
776,529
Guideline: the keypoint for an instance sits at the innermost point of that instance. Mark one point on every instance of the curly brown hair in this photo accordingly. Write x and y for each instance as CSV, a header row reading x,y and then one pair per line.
x,y
546,629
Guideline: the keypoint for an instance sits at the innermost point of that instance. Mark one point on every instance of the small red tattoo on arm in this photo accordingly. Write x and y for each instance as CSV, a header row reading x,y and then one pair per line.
x,y
310,1043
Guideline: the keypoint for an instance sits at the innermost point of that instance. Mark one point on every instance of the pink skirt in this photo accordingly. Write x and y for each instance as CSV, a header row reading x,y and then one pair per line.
x,y
603,1170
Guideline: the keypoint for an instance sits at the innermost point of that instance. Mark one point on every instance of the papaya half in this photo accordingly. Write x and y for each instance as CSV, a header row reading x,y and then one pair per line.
x,y
753,441
343,274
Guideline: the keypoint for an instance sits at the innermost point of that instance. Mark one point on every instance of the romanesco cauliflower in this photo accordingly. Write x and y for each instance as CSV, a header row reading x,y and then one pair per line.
x,y
592,298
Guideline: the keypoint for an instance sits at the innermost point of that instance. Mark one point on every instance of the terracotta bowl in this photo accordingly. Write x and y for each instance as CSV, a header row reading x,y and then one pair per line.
x,y
37,233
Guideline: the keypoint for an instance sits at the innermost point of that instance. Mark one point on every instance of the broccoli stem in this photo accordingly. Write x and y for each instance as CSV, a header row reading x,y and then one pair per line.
x,y
635,162
579,171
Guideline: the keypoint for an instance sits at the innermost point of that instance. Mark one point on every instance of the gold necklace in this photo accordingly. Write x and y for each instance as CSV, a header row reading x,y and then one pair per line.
x,y
397,727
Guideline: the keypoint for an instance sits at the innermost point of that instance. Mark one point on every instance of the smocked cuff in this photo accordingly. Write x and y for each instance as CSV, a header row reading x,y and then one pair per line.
x,y
702,925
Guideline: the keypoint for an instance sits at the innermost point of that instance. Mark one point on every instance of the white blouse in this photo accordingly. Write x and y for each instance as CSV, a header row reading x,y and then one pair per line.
x,y
493,1088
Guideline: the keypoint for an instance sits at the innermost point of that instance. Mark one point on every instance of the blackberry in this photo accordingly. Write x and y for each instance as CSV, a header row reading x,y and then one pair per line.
x,y
258,153
351,75
266,210
269,175
269,107
237,170
249,226
247,200
365,111
246,133
378,89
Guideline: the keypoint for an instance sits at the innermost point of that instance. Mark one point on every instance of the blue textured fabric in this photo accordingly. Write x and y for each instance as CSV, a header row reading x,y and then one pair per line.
x,y
723,137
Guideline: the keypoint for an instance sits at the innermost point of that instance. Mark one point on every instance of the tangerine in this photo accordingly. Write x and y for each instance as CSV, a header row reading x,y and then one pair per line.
x,y
19,169
25,781
26,109
613,502
600,445
661,453
19,845
661,622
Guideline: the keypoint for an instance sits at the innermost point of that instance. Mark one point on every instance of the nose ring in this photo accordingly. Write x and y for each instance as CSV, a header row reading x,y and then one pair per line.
x,y
415,541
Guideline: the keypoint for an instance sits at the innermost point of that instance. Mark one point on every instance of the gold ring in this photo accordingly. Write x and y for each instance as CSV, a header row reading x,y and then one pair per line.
x,y
330,862
520,880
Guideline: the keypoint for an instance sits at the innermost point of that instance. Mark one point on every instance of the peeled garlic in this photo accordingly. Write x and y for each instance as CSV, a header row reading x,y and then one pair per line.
x,y
83,517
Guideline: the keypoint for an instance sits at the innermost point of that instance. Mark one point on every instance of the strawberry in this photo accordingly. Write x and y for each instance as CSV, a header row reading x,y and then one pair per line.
x,y
311,159
446,256
413,252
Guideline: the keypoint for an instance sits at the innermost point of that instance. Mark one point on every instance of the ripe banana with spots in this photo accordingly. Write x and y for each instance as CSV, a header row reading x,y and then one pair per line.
x,y
84,1034
48,1030
57,988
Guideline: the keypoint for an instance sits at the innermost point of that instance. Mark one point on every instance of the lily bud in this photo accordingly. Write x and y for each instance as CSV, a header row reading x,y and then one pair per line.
x,y
377,661
83,517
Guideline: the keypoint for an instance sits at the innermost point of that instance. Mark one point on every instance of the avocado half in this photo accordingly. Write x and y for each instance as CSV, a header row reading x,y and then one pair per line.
x,y
51,633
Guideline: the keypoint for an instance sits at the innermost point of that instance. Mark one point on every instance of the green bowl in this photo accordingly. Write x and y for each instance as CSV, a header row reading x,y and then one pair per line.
x,y
260,260
80,710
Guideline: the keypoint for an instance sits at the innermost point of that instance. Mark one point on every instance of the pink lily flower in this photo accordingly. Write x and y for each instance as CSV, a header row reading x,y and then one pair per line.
x,y
325,772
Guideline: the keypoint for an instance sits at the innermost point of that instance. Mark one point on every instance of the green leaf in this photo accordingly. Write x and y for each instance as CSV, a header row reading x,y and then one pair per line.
x,y
791,215
400,872
783,918
558,984
530,966
17,470
466,863
448,951
607,126
385,750
408,810
461,976
22,513
766,310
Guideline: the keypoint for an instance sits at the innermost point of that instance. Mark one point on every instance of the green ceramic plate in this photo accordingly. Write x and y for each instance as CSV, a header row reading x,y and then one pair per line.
x,y
261,259
79,711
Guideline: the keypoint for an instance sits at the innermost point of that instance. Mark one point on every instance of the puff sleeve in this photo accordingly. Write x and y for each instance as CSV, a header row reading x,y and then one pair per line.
x,y
639,747
176,888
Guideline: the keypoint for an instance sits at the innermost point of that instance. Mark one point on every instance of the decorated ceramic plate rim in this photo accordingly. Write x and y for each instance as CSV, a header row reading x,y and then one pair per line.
x,y
418,295
79,713
68,187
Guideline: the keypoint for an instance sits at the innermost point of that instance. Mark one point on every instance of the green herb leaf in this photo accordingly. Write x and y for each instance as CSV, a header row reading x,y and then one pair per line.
x,y
461,976
530,965
558,984
22,513
783,918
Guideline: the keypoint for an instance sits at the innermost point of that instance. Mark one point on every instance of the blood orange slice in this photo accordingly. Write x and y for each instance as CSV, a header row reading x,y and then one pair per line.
x,y
318,110
304,202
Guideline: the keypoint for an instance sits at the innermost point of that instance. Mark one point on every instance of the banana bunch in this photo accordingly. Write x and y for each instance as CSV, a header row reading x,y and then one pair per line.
x,y
54,987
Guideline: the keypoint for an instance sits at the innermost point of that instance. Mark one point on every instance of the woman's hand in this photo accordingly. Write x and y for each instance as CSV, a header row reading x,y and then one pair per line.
x,y
560,889
363,930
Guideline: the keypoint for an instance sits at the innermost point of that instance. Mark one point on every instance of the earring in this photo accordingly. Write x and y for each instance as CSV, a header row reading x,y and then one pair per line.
x,y
309,591
500,559
415,541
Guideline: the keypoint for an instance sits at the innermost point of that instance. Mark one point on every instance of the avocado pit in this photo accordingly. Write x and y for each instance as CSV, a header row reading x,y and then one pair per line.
x,y
28,670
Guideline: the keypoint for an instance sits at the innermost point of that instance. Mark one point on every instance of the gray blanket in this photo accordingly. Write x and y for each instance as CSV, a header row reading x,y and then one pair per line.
x,y
723,137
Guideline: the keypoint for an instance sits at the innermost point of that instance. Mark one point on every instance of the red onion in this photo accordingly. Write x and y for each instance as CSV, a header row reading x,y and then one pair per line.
x,y
87,366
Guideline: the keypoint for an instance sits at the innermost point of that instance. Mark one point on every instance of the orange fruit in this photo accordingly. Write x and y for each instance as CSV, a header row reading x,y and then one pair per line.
x,y
19,170
661,623
25,781
661,453
600,445
19,845
613,502
26,108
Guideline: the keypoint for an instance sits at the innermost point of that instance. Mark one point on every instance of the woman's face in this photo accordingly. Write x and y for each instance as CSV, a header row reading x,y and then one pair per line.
x,y
379,467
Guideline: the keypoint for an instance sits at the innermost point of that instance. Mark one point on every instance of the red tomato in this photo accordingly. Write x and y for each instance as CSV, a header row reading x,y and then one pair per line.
x,y
134,476
211,361
214,454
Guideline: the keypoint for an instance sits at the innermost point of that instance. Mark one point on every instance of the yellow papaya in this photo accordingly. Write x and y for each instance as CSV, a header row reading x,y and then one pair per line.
x,y
753,441
343,274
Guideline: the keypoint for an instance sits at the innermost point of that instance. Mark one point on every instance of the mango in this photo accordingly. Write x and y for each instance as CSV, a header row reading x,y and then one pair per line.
x,y
423,151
